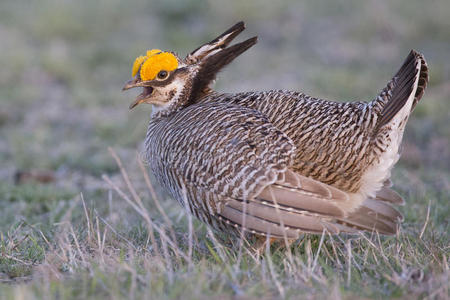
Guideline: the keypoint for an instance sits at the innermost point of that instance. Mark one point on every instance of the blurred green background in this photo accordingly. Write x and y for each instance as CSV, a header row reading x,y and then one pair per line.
x,y
63,64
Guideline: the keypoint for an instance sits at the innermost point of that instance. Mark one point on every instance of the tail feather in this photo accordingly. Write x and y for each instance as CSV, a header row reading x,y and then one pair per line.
x,y
375,215
388,195
410,81
383,210
423,81
367,220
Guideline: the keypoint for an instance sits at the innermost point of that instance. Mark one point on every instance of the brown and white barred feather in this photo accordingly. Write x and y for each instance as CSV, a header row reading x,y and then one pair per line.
x,y
229,166
332,138
282,163
345,145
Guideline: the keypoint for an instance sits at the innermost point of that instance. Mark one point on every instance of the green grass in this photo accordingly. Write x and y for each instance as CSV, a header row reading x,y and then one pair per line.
x,y
115,250
63,66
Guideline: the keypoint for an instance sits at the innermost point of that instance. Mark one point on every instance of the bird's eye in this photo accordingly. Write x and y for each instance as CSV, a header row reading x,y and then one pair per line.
x,y
162,75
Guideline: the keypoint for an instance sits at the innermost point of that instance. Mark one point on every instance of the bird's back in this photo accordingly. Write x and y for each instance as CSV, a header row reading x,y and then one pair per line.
x,y
336,142
333,139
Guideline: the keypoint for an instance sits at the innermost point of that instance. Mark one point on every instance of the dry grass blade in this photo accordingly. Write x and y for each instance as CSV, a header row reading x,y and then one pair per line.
x,y
273,274
349,261
286,242
125,176
89,226
168,261
318,250
138,209
77,244
16,259
141,209
242,235
156,199
217,245
426,220
115,231
190,226
143,214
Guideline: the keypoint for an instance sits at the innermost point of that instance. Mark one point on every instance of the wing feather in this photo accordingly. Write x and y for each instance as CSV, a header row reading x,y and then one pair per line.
x,y
298,207
231,162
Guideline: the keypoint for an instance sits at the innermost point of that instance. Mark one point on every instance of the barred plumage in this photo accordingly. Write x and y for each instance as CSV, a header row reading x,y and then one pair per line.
x,y
276,162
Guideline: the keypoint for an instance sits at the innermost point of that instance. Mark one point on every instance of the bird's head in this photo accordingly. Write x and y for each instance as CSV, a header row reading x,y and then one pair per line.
x,y
169,82
161,75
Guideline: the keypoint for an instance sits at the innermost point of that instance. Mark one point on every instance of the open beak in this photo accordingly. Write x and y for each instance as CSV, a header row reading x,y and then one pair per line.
x,y
136,103
142,97
130,84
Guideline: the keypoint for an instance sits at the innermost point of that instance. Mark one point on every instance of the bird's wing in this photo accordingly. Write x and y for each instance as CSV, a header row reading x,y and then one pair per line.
x,y
296,204
228,149
235,158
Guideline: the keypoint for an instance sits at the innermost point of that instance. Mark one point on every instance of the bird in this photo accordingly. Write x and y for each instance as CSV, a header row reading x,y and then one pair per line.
x,y
273,164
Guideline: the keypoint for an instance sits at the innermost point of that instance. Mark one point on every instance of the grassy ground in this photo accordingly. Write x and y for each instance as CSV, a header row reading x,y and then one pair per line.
x,y
91,232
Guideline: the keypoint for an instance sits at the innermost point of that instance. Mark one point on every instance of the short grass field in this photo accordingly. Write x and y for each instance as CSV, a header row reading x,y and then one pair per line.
x,y
81,217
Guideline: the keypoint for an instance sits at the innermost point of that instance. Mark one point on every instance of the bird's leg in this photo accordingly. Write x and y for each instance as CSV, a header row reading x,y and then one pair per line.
x,y
260,244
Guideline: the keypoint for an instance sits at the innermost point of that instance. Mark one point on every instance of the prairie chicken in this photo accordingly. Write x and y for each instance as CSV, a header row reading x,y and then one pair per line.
x,y
274,163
